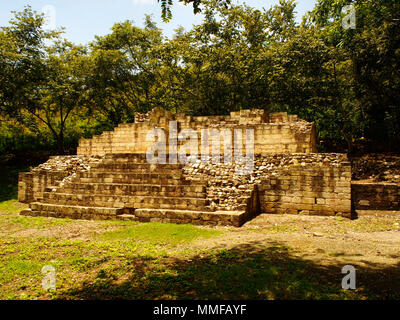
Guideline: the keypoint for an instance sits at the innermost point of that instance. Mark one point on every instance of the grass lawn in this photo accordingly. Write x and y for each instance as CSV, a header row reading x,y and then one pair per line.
x,y
128,260
272,257
124,260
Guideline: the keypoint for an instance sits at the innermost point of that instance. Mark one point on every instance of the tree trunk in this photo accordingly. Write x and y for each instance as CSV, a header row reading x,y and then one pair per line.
x,y
60,142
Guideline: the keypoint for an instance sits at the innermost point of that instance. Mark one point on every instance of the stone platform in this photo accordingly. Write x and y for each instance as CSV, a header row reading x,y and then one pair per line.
x,y
125,186
111,177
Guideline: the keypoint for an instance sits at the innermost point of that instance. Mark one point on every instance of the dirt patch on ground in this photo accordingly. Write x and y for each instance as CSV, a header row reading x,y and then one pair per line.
x,y
368,240
79,230
14,225
281,251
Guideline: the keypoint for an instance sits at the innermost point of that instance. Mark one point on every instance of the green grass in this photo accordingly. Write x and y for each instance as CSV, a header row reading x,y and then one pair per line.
x,y
9,220
110,255
365,225
18,267
227,274
33,222
157,261
11,206
336,254
160,233
9,188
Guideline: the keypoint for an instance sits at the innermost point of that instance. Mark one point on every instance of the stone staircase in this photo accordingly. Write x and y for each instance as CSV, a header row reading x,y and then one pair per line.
x,y
127,187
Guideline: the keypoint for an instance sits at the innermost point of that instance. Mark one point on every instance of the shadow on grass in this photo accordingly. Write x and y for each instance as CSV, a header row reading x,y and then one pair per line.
x,y
250,271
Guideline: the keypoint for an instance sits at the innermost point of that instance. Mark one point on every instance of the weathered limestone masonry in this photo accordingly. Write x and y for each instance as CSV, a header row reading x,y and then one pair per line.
x,y
57,170
112,179
127,187
367,197
314,184
310,184
277,132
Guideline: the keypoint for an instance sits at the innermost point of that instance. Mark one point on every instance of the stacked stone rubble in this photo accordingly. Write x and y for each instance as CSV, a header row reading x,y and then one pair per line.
x,y
314,184
56,170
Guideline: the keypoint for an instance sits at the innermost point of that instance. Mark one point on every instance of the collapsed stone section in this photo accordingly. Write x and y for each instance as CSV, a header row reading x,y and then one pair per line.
x,y
273,133
52,173
376,184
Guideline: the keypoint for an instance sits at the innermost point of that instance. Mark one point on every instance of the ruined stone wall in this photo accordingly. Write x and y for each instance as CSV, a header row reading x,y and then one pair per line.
x,y
31,185
278,132
375,196
314,184
52,173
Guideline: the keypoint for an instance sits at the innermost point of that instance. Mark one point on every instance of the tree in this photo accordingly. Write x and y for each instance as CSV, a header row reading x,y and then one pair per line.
x,y
373,52
66,89
346,81
166,5
22,52
42,83
217,65
126,70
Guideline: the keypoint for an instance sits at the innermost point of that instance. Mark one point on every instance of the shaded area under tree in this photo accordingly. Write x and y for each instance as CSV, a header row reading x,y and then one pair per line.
x,y
247,271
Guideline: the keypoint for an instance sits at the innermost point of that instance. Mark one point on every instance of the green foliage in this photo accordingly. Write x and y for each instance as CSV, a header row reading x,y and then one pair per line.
x,y
125,71
53,92
373,53
166,5
43,83
10,207
9,183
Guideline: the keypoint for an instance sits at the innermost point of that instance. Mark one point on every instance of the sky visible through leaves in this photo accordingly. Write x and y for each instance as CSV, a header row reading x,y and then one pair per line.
x,y
85,19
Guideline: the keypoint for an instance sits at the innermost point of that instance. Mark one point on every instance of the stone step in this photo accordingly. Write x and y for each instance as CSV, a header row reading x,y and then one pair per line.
x,y
377,213
223,218
127,217
125,155
140,162
139,158
113,165
74,212
109,201
191,191
194,204
128,174
131,178
116,201
220,218
131,157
